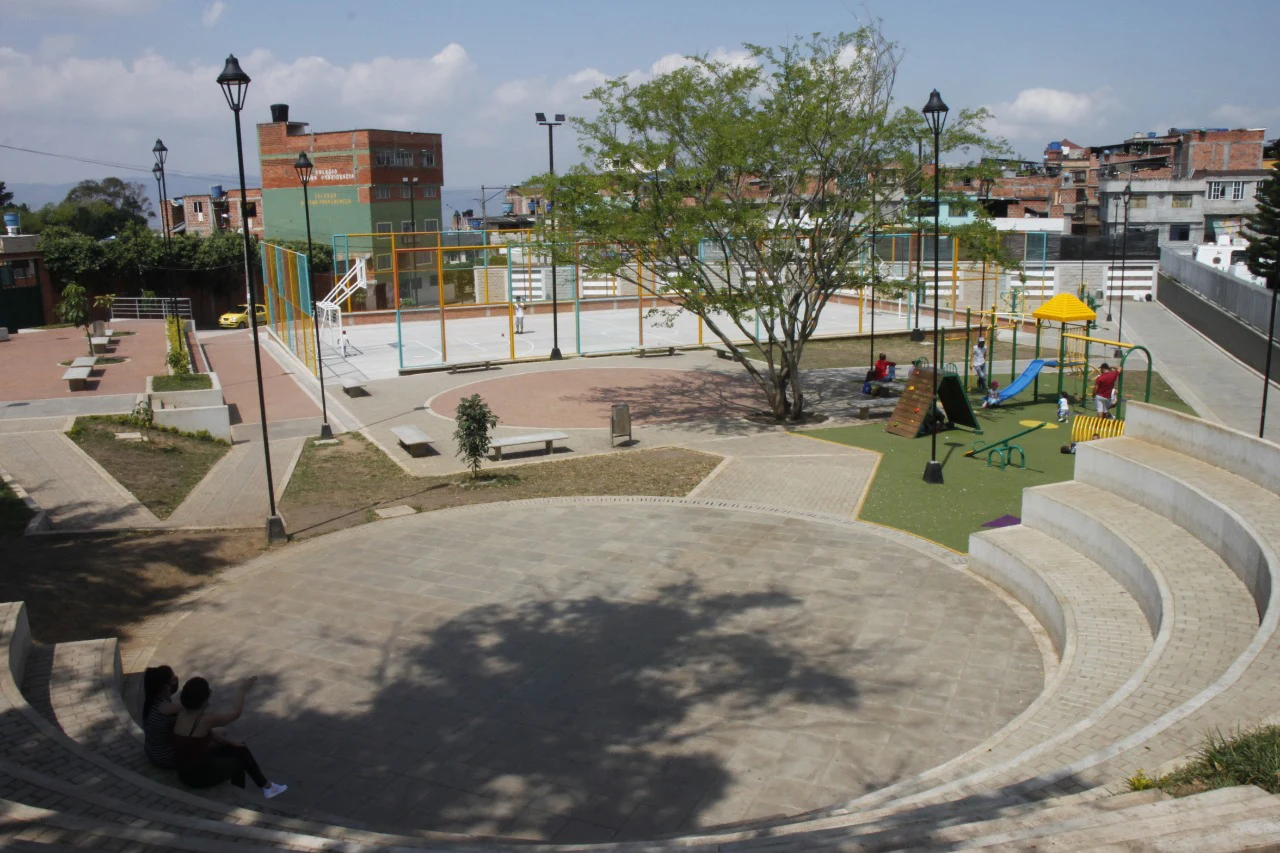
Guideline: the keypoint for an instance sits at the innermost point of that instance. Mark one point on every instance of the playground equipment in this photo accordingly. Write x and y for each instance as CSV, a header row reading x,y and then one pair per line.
x,y
1085,427
1028,376
1002,451
909,418
1087,373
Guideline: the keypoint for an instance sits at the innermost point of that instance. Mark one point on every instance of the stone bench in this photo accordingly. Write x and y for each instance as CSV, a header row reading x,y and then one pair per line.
x,y
100,345
462,366
353,387
642,352
412,439
85,361
76,377
497,445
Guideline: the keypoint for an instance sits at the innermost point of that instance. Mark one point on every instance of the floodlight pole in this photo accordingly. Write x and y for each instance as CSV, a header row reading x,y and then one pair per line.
x,y
305,169
916,334
555,303
235,86
1124,257
1273,282
936,113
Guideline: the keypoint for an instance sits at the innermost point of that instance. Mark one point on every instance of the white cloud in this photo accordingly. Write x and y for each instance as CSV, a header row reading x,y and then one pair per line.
x,y
1237,116
213,13
1044,113
735,58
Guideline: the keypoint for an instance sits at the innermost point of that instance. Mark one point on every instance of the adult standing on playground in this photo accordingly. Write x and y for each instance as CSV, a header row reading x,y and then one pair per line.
x,y
1103,387
519,317
980,363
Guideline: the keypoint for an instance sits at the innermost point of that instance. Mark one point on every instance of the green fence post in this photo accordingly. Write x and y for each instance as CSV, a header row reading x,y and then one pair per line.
x,y
1035,386
968,343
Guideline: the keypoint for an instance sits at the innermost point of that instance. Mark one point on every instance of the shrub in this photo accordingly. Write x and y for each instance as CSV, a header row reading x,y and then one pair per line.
x,y
178,360
474,419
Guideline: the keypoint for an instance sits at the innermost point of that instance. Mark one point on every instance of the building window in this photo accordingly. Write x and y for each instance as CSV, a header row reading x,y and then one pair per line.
x,y
404,158
406,191
428,158
1237,190
383,228
251,209
430,225
382,192
406,226
1182,200
382,262
382,157
1138,202
1179,233
1226,189
430,192
197,207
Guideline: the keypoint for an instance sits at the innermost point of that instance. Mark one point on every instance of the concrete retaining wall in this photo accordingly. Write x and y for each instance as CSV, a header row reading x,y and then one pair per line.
x,y
215,419
1218,325
1249,302
211,396
1242,454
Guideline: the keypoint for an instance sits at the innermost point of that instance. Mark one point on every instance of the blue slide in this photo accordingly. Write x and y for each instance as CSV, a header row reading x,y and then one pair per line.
x,y
1020,384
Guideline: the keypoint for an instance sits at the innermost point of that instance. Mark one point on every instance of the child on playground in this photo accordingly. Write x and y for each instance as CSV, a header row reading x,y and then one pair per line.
x,y
1064,408
993,396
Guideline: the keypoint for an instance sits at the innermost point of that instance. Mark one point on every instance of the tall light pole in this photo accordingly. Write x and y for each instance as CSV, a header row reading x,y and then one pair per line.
x,y
916,334
304,167
412,184
935,112
875,264
541,118
1127,195
235,86
1112,262
1274,284
162,154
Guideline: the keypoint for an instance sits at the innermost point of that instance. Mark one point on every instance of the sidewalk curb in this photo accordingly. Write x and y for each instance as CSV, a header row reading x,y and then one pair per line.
x,y
39,521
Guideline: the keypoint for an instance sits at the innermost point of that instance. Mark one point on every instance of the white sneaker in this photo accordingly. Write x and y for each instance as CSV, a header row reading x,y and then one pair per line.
x,y
274,790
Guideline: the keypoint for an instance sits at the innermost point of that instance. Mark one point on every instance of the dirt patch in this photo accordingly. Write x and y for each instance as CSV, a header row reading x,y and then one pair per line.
x,y
340,485
89,587
160,471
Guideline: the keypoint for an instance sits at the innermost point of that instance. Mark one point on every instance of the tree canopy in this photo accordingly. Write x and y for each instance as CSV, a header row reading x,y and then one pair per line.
x,y
6,197
98,209
743,192
1263,231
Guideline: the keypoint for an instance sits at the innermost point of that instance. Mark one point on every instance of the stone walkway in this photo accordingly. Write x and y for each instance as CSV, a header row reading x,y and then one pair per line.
x,y
596,669
234,492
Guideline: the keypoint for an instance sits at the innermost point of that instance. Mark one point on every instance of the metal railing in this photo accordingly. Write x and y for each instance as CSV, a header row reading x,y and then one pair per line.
x,y
1248,301
153,308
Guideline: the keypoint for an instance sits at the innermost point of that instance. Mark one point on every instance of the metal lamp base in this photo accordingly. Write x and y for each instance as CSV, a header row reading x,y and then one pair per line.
x,y
326,432
275,529
555,354
933,472
917,336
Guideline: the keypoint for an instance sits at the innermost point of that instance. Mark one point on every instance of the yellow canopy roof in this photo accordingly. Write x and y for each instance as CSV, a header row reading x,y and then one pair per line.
x,y
1064,308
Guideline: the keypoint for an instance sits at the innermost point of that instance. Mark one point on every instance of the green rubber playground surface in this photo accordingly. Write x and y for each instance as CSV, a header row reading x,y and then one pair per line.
x,y
973,493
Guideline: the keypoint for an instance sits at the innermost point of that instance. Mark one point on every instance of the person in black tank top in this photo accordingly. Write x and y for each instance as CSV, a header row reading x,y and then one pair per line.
x,y
204,754
159,712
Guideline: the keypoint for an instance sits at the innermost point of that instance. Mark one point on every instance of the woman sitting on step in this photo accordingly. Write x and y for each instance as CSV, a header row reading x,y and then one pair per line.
x,y
205,755
159,712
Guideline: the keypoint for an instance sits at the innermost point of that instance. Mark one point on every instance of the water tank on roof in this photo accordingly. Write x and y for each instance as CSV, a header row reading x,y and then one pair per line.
x,y
215,191
508,208
280,112
1055,146
1152,135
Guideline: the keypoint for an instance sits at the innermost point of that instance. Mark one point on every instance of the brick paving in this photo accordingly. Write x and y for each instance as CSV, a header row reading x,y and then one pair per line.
x,y
30,370
564,669
231,357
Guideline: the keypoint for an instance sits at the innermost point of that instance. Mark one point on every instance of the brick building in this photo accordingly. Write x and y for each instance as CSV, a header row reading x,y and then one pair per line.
x,y
365,181
203,214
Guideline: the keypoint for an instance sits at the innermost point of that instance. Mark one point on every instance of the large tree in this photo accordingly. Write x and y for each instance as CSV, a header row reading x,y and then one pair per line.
x,y
743,191
1263,231
6,197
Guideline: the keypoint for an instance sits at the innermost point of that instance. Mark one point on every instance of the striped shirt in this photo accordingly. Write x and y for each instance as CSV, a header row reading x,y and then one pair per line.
x,y
158,731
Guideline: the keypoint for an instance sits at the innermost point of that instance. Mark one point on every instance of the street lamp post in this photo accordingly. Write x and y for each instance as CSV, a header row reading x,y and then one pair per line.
x,y
304,167
916,334
1127,195
162,154
412,184
1111,264
558,120
235,86
935,112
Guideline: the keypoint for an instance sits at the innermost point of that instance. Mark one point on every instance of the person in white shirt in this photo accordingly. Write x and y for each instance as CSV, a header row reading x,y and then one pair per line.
x,y
980,363
1064,408
519,317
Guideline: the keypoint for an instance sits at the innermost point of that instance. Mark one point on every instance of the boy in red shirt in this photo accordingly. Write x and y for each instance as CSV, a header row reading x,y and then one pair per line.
x,y
1102,388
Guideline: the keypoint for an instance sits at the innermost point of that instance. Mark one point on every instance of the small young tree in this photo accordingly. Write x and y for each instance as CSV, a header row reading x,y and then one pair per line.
x,y
474,419
74,309
1263,231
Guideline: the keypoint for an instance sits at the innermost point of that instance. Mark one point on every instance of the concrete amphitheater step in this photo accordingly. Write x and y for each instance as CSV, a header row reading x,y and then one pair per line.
x,y
1099,632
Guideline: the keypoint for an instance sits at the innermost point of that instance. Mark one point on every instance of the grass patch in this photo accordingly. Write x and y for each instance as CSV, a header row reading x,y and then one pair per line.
x,y
337,486
102,359
182,382
973,493
14,513
854,352
55,326
161,471
1248,758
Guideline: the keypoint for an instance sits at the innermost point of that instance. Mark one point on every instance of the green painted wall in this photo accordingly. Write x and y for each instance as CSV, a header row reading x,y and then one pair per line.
x,y
334,210
397,211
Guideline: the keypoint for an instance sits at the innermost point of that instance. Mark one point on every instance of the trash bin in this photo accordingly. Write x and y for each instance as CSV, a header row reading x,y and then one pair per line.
x,y
619,423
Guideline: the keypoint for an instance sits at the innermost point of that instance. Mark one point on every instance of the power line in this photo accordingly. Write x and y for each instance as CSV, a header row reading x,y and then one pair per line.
x,y
126,166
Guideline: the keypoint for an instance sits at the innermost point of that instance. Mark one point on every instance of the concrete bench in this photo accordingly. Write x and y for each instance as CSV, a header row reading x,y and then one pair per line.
x,y
722,352
645,351
100,344
548,438
85,361
469,365
353,387
412,439
76,377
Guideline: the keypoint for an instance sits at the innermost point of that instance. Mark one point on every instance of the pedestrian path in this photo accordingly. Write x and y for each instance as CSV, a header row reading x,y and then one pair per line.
x,y
76,492
1216,385
234,492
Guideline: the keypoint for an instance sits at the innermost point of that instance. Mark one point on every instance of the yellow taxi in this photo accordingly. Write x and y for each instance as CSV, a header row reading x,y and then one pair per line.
x,y
239,318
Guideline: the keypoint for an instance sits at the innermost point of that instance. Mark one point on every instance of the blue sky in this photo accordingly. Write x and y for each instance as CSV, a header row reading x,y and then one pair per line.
x,y
101,79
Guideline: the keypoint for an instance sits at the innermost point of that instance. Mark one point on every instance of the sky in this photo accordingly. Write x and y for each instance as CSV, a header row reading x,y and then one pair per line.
x,y
101,80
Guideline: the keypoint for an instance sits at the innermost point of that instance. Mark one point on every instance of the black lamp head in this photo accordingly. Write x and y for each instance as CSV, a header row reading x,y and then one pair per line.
x,y
540,118
234,83
935,112
161,153
560,118
155,170
303,166
1127,193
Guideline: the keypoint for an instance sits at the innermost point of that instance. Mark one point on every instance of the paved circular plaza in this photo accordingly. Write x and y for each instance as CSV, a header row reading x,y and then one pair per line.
x,y
582,669
581,397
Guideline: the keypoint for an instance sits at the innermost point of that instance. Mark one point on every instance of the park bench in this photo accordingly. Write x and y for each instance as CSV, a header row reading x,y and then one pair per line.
x,y
412,439
548,438
100,345
657,350
77,377
353,387
722,352
460,366
85,361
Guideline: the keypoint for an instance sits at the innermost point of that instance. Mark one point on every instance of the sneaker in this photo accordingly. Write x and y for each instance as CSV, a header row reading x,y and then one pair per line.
x,y
274,790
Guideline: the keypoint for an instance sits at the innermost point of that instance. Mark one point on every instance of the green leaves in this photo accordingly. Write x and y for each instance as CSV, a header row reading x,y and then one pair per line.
x,y
1263,231
474,420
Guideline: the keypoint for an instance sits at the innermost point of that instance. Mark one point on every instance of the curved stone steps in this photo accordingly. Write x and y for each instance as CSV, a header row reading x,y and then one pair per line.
x,y
1101,636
